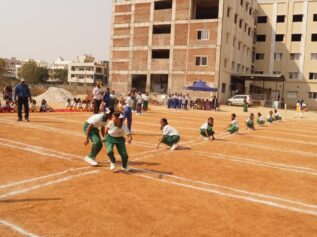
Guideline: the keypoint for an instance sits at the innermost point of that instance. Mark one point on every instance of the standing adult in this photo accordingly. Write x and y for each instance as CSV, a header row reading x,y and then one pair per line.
x,y
8,92
97,93
245,105
106,98
22,93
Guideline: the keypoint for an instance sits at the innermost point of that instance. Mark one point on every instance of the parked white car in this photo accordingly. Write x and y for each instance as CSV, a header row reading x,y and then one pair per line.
x,y
239,100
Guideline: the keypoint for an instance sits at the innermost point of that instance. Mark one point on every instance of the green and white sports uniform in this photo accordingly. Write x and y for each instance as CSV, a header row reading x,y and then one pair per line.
x,y
260,120
98,121
171,136
233,127
115,137
277,116
209,129
270,118
250,123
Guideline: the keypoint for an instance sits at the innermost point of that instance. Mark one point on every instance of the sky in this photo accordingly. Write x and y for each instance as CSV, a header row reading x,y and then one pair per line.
x,y
47,29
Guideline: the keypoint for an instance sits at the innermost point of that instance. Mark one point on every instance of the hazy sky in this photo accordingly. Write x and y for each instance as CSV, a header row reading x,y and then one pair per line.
x,y
47,29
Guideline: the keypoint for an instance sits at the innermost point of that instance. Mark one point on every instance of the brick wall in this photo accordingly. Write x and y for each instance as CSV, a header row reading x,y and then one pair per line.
x,y
142,12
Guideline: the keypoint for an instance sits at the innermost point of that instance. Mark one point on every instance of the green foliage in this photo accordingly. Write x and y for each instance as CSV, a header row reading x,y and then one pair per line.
x,y
2,67
33,74
60,74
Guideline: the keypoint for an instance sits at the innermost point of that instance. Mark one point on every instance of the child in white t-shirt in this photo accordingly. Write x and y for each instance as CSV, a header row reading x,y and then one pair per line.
x,y
233,127
170,135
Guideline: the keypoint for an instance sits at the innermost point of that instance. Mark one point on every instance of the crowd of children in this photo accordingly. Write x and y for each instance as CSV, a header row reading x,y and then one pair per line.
x,y
184,102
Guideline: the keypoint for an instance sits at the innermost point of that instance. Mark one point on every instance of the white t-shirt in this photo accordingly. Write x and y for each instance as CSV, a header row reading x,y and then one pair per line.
x,y
97,120
129,102
261,118
234,123
269,117
170,131
68,104
248,120
145,97
277,114
97,93
204,126
139,99
117,132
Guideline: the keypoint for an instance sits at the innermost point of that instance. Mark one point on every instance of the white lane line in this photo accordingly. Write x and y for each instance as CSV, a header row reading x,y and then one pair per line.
x,y
286,150
29,149
26,190
279,166
235,196
42,177
17,229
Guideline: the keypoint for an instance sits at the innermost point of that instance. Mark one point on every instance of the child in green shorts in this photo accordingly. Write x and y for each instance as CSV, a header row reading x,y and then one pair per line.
x,y
170,135
115,131
270,117
233,127
250,122
260,120
206,130
91,129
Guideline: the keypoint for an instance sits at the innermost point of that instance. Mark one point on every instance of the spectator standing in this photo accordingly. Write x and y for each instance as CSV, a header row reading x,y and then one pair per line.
x,y
97,93
8,92
22,93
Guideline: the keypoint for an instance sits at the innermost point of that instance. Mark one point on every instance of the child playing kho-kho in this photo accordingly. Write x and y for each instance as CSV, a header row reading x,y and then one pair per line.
x,y
260,120
206,130
250,122
91,129
115,131
170,135
233,127
270,117
277,116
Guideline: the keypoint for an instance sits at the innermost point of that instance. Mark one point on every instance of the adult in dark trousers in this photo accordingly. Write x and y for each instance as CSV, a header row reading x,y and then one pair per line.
x,y
97,94
22,93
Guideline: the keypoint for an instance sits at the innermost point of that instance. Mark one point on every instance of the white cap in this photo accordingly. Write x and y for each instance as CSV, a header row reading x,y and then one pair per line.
x,y
121,116
22,79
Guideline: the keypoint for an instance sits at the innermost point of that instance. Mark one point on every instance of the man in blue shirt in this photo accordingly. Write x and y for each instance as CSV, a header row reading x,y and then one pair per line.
x,y
22,92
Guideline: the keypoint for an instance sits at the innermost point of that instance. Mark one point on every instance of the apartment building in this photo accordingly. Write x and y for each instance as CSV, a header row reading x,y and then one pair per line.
x,y
86,70
287,44
11,67
164,45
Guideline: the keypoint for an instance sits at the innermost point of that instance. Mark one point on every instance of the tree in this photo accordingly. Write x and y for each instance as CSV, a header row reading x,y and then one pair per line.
x,y
60,74
2,67
33,74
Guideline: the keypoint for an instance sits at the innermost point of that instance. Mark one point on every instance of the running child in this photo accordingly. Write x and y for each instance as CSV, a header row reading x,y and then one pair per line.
x,y
206,130
260,120
277,116
139,104
270,117
298,110
250,122
115,137
234,126
170,135
145,102
91,129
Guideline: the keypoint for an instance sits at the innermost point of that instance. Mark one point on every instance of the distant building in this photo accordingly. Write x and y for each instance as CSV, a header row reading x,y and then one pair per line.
x,y
59,63
12,66
85,70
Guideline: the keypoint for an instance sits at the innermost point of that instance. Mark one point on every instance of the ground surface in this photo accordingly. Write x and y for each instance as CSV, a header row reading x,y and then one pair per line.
x,y
256,183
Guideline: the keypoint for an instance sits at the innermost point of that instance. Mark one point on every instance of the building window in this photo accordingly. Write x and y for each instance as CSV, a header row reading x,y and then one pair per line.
x,y
250,11
228,12
247,7
312,95
279,37
277,72
315,17
241,2
227,37
280,18
298,18
249,31
296,37
312,76
293,75
161,5
232,66
313,56
240,23
236,18
260,38
295,56
314,37
238,67
259,56
245,27
201,61
258,72
223,88
234,42
226,63
262,19
239,45
202,34
292,94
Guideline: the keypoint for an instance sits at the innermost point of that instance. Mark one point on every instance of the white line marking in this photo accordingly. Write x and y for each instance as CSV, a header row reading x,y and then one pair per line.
x,y
17,228
26,190
235,196
41,177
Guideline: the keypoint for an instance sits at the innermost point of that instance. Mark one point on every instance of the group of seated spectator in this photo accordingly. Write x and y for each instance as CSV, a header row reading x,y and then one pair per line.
x,y
7,106
79,105
10,106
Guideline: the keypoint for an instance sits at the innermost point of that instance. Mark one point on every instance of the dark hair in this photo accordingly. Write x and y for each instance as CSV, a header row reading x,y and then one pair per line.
x,y
259,114
164,120
117,114
211,118
233,116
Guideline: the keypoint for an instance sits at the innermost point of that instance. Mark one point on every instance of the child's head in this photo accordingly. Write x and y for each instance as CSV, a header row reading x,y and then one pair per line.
x,y
259,114
117,118
233,116
210,120
252,115
271,113
275,110
68,100
163,122
33,101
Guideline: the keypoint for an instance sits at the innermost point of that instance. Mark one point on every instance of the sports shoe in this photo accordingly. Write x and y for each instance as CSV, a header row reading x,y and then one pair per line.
x,y
90,161
174,147
126,168
19,120
112,166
